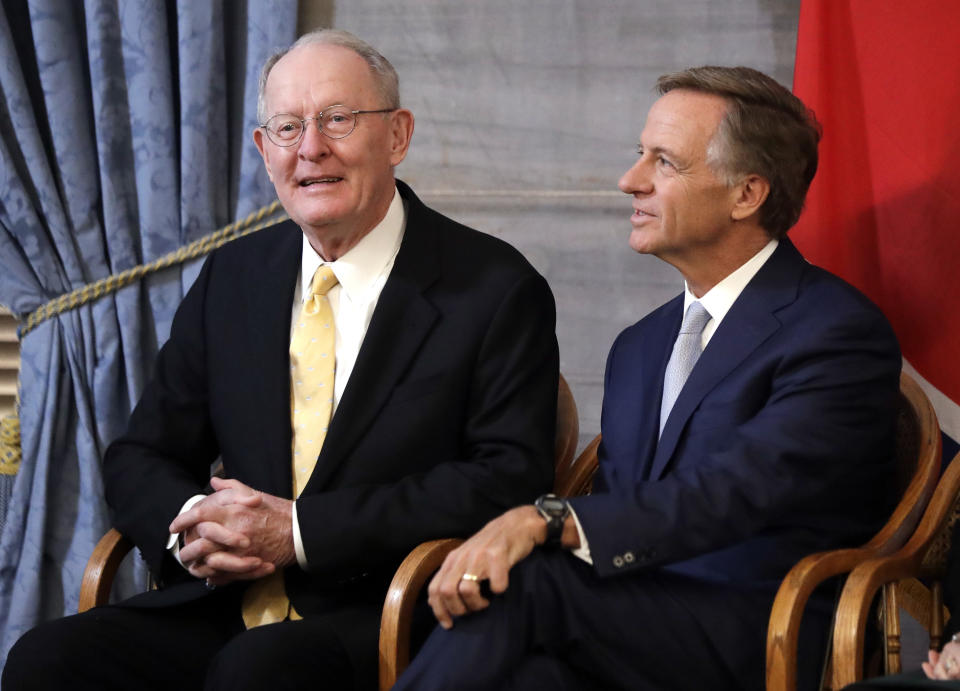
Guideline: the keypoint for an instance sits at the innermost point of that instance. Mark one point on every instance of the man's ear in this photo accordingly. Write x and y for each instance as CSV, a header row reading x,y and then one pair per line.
x,y
751,192
258,139
401,132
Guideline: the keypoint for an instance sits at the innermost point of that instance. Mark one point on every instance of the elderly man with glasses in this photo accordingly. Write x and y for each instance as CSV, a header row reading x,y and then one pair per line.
x,y
371,374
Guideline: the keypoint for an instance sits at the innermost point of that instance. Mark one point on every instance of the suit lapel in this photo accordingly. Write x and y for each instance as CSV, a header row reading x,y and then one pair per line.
x,y
655,352
750,321
270,300
401,321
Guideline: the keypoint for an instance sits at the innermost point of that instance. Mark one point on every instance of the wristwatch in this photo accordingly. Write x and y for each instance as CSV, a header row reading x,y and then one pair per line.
x,y
554,510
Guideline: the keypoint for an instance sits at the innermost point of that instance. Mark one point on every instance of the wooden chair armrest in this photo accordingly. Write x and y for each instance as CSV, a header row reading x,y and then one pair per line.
x,y
101,569
397,617
849,630
869,577
783,631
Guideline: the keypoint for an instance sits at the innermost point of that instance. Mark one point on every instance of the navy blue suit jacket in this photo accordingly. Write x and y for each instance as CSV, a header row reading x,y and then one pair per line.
x,y
779,444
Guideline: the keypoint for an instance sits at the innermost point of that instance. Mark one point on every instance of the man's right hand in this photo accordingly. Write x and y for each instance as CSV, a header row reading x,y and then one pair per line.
x,y
945,664
488,555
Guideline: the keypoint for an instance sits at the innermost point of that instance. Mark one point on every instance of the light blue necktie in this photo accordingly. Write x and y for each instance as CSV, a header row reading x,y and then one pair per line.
x,y
686,351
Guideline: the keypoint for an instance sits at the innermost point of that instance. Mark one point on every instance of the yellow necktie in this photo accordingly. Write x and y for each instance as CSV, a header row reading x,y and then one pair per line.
x,y
312,371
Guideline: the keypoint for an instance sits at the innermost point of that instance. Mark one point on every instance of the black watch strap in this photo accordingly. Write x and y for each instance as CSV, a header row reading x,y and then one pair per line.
x,y
554,510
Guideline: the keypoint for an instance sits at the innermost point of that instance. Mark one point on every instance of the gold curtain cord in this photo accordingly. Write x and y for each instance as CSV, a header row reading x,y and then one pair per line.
x,y
10,453
110,284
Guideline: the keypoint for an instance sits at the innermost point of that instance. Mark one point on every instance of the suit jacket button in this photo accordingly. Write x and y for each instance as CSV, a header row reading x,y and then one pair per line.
x,y
628,557
618,561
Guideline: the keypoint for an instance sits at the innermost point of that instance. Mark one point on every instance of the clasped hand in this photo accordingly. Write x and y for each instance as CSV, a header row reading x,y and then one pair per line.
x,y
236,533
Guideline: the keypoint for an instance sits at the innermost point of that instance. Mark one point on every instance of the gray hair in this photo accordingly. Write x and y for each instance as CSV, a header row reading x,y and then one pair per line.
x,y
766,131
385,76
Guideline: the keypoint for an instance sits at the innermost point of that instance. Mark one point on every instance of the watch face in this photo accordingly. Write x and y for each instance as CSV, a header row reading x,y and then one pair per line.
x,y
554,505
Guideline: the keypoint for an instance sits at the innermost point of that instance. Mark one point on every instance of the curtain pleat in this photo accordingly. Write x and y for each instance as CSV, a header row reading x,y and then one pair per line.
x,y
112,141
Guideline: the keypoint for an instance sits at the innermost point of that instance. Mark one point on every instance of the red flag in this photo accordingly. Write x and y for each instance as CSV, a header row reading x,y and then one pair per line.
x,y
884,209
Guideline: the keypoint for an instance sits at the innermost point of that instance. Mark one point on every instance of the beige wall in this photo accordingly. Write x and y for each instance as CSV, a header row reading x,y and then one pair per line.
x,y
527,113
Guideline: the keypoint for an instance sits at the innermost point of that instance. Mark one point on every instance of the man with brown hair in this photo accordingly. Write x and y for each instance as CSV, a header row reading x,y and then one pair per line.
x,y
746,423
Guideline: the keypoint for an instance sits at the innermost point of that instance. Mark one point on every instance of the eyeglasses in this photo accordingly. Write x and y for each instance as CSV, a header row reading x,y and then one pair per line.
x,y
336,122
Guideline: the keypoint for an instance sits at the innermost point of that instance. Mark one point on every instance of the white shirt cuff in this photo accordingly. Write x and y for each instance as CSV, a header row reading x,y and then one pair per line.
x,y
583,551
297,540
173,544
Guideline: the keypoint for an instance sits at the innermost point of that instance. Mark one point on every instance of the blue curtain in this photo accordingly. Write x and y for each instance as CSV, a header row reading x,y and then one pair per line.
x,y
124,134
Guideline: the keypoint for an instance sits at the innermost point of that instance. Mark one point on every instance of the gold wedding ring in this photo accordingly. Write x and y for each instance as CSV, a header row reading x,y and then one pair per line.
x,y
469,577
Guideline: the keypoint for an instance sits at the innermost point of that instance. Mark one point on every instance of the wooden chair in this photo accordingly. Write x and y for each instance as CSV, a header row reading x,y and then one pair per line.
x,y
102,569
426,558
897,578
918,466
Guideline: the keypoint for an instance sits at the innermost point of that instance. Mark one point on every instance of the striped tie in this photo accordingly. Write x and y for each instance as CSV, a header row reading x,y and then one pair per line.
x,y
686,351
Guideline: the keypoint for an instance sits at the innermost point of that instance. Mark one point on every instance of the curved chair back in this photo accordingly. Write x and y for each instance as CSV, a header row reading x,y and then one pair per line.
x,y
917,456
577,478
568,428
924,556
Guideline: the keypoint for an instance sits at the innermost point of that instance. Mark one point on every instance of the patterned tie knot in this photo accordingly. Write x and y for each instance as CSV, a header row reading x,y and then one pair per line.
x,y
323,280
695,319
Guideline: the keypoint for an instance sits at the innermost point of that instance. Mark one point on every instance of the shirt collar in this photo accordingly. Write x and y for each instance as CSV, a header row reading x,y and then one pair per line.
x,y
719,299
359,268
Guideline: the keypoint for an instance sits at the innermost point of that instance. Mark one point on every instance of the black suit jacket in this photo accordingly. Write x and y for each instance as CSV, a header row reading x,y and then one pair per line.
x,y
447,420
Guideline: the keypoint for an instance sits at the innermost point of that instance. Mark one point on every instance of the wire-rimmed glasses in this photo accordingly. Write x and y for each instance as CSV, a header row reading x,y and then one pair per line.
x,y
336,122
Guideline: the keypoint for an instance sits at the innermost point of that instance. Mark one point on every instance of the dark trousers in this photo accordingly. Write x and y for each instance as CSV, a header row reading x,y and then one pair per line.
x,y
911,681
559,626
196,645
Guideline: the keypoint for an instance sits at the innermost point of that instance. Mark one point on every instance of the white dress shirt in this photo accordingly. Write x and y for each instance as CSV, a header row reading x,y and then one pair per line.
x,y
717,301
361,274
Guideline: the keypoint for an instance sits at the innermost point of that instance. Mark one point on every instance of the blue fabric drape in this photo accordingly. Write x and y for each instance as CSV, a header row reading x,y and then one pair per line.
x,y
117,127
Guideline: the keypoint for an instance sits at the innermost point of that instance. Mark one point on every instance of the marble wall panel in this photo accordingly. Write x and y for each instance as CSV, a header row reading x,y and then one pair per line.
x,y
527,113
